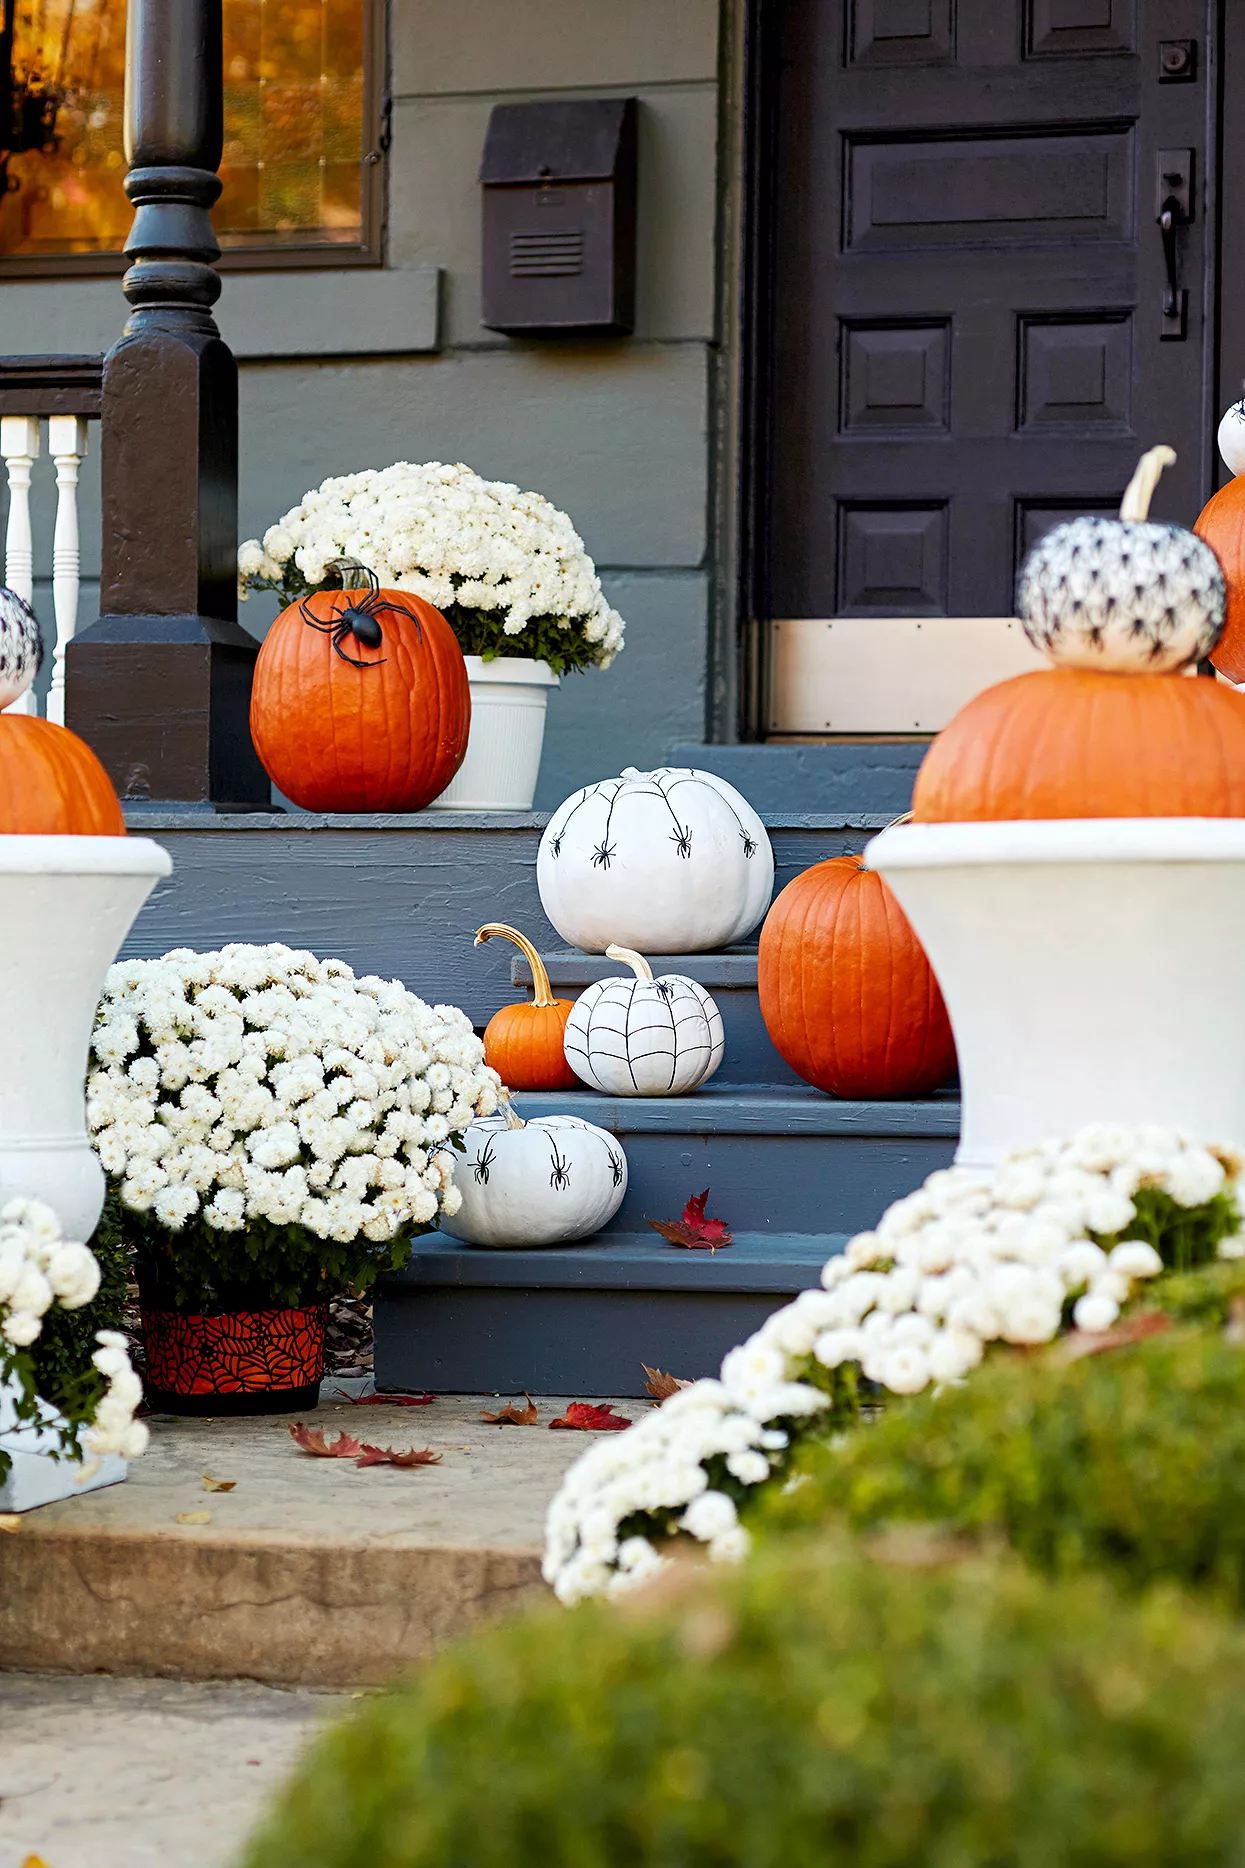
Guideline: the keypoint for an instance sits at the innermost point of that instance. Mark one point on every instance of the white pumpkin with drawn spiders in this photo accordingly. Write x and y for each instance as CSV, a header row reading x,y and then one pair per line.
x,y
669,861
549,1181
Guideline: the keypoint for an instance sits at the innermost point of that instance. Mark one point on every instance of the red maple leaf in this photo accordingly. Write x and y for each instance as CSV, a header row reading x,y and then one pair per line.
x,y
693,1229
312,1440
389,1456
587,1417
515,1416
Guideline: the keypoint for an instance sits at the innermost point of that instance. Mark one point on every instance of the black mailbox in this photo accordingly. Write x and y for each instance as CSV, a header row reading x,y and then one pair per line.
x,y
559,216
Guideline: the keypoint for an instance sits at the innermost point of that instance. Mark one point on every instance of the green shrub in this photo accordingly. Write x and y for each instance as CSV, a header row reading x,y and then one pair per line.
x,y
1133,1459
812,1709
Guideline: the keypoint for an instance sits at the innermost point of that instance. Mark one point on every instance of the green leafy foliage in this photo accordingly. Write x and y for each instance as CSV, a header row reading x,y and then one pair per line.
x,y
1132,1460
816,1709
1183,1236
202,1267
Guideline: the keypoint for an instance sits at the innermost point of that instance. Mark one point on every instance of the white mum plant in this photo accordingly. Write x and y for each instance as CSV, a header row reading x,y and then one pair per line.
x,y
269,1122
506,568
39,1270
1061,1235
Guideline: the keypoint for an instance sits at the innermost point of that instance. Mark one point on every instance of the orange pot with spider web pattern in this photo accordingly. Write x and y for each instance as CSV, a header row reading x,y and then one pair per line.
x,y
234,1362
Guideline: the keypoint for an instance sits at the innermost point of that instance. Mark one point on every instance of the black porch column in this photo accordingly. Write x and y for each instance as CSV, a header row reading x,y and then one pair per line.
x,y
160,684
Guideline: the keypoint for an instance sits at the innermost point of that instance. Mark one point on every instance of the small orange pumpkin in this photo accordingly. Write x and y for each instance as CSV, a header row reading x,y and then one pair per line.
x,y
360,701
524,1043
847,994
1071,742
51,783
1221,523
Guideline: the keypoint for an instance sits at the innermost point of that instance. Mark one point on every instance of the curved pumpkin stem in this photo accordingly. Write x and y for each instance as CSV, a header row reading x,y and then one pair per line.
x,y
1135,505
636,961
540,978
513,1119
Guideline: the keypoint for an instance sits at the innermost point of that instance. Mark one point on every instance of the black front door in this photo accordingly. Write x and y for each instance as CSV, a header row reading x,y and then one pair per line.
x,y
977,321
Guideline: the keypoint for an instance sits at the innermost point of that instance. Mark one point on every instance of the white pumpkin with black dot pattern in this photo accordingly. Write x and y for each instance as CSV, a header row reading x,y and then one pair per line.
x,y
642,1036
21,647
1126,595
549,1181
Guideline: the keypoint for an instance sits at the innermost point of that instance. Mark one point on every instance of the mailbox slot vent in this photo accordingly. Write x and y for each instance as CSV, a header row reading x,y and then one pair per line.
x,y
547,255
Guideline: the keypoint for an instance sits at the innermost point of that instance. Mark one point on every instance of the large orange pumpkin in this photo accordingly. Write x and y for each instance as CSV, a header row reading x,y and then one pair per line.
x,y
524,1043
360,702
847,994
1221,523
51,783
1070,742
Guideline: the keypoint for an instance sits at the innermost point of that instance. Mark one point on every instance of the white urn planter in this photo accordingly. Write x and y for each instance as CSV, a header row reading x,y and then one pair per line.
x,y
66,905
1091,969
508,701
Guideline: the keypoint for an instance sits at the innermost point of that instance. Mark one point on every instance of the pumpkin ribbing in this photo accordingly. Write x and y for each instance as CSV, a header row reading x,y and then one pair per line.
x,y
388,735
1069,742
847,994
1221,523
52,784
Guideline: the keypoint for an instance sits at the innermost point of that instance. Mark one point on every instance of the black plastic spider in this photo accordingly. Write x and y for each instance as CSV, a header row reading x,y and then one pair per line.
x,y
616,1168
560,1178
555,848
483,1165
665,990
360,620
681,837
750,848
602,855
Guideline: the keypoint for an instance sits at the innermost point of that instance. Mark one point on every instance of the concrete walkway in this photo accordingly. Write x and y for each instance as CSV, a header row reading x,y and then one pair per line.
x,y
100,1773
310,1572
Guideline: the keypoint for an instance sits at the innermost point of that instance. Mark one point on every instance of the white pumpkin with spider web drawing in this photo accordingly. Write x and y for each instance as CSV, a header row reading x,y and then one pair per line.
x,y
644,1036
549,1181
670,861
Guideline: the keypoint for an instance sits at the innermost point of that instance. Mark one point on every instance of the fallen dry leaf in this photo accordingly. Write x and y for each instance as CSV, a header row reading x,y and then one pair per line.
x,y
660,1385
217,1485
35,1861
10,1520
388,1456
693,1229
312,1440
194,1517
587,1417
378,1400
1120,1336
515,1416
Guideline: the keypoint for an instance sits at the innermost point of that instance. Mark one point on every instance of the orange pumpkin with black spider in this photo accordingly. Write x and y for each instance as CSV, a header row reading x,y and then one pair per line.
x,y
360,701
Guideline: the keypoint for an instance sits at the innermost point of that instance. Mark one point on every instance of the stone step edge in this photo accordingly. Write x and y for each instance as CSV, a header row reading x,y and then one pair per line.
x,y
753,1262
747,1109
196,1607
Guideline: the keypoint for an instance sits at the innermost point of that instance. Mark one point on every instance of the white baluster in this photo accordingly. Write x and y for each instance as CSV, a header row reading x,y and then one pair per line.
x,y
67,446
19,446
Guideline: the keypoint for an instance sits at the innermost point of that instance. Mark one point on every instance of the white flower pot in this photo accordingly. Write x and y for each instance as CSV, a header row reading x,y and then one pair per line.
x,y
1091,969
508,700
66,905
35,1478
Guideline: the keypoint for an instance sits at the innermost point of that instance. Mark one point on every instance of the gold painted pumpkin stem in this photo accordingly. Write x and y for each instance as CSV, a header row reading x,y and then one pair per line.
x,y
636,961
540,978
1135,505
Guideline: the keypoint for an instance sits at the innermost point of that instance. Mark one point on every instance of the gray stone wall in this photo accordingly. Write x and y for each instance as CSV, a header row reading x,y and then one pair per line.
x,y
346,370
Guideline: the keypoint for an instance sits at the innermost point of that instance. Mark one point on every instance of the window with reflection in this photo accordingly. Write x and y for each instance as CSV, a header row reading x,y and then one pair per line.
x,y
300,111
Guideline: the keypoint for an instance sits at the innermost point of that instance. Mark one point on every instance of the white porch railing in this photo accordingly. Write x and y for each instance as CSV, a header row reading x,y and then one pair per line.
x,y
45,405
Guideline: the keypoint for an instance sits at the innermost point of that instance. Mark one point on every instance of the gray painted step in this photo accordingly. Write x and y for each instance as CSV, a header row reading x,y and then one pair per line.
x,y
777,1161
871,775
401,896
581,1319
730,977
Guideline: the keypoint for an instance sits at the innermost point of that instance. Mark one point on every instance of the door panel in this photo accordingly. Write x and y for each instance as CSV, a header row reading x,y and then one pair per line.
x,y
968,290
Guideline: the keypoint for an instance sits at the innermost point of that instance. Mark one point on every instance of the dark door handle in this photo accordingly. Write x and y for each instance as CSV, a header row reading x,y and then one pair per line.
x,y
1170,218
